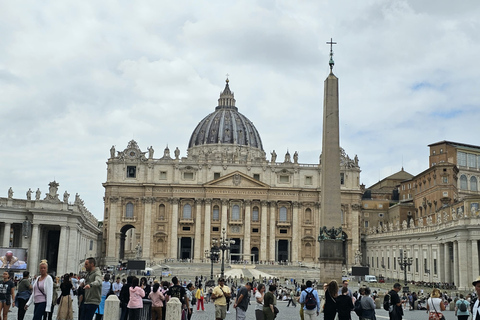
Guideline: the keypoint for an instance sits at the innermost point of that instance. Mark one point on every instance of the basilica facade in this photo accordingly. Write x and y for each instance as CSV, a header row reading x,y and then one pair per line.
x,y
175,207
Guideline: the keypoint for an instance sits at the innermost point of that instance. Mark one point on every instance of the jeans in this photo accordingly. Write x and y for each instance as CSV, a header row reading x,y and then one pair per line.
x,y
88,310
39,310
21,308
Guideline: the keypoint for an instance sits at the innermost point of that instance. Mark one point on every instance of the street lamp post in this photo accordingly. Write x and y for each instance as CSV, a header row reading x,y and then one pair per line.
x,y
404,262
212,255
223,244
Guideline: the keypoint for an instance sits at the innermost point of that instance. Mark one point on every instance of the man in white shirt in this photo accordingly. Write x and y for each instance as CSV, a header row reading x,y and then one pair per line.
x,y
117,287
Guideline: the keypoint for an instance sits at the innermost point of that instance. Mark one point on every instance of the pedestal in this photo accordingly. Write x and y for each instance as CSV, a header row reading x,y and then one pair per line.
x,y
331,260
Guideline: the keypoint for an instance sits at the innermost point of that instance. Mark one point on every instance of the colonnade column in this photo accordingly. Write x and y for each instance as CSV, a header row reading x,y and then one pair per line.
x,y
271,250
263,233
62,246
295,233
111,249
207,230
455,262
6,235
461,266
224,214
247,231
147,228
72,250
475,269
34,248
197,254
446,262
441,257
173,254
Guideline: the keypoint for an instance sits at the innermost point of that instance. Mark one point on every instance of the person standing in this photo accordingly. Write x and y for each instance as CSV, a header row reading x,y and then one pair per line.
x,y
117,287
135,304
461,308
199,297
396,311
125,298
157,298
42,293
177,291
80,296
106,287
242,301
311,301
367,303
65,310
7,295
344,305
269,302
93,289
345,285
259,295
330,307
23,294
435,305
220,294
476,305
188,303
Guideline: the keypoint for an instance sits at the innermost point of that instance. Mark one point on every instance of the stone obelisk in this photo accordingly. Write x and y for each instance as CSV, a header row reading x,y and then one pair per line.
x,y
331,235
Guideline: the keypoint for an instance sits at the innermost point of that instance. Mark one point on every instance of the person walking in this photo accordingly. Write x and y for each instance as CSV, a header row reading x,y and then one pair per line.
x,y
292,298
42,293
367,303
242,301
135,304
259,295
7,295
93,289
344,305
310,300
435,305
269,302
65,310
220,294
330,307
23,294
157,298
396,311
200,298
461,308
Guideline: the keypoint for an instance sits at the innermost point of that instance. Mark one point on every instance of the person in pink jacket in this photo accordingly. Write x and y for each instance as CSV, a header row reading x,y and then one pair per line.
x,y
135,304
157,298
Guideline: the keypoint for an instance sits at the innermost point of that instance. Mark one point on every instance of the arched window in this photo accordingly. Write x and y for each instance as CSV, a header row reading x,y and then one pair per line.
x,y
129,210
255,216
473,184
187,211
216,213
308,216
161,212
236,212
463,182
283,214
106,213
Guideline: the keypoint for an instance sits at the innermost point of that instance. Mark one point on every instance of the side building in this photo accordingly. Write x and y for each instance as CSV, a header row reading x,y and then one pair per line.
x,y
435,223
172,207
63,233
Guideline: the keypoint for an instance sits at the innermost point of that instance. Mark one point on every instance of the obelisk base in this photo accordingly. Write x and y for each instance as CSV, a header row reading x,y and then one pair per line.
x,y
331,261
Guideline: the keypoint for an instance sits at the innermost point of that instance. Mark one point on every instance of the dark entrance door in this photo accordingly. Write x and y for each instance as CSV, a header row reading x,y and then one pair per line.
x,y
235,250
282,250
53,239
186,248
254,251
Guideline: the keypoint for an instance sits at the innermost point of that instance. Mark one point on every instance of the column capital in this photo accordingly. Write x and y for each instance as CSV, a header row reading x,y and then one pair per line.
x,y
114,199
296,204
174,200
199,201
225,202
247,202
208,201
264,203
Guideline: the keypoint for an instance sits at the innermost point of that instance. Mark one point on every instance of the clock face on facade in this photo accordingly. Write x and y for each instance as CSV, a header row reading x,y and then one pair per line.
x,y
132,153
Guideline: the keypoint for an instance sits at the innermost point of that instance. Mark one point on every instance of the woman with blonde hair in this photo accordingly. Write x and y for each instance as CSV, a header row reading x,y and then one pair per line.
x,y
42,293
330,309
435,305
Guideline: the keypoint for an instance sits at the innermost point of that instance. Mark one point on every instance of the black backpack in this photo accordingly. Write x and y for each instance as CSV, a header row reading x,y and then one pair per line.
x,y
358,307
463,306
310,301
386,302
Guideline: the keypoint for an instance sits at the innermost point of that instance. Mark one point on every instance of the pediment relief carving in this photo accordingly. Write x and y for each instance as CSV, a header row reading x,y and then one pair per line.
x,y
237,179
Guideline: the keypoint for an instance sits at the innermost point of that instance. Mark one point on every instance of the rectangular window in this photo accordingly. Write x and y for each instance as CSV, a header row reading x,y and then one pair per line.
x,y
163,175
388,262
425,265
365,205
186,228
308,180
216,175
255,230
416,265
434,266
283,231
188,176
461,159
284,179
394,263
445,194
380,206
472,160
91,245
445,179
366,223
215,229
342,178
377,263
256,176
131,171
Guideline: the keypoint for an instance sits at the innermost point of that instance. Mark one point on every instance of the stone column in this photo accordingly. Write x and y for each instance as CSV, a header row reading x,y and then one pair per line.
x,y
197,253
147,228
475,269
441,257
262,256
62,247
247,231
73,258
224,221
456,277
273,219
207,229
462,267
296,233
173,254
6,235
446,262
34,248
114,214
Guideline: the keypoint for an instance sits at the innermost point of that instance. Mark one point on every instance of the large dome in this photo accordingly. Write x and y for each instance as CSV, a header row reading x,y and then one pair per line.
x,y
226,126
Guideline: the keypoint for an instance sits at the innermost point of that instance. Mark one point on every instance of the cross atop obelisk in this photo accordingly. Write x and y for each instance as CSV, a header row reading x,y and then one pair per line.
x,y
331,63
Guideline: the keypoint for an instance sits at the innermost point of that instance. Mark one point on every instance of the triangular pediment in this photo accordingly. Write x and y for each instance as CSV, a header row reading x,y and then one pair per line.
x,y
236,180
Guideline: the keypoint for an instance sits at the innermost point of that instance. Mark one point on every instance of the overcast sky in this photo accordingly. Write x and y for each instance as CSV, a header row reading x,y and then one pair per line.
x,y
77,77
